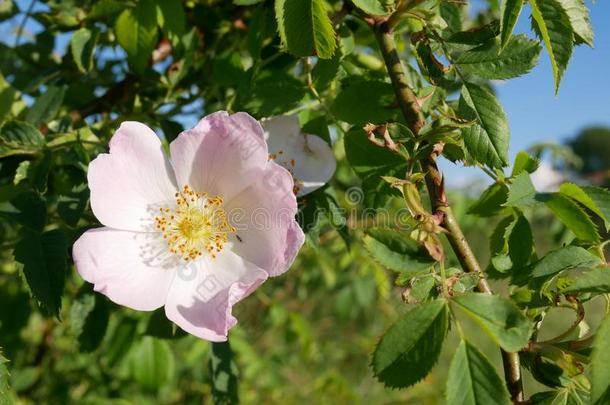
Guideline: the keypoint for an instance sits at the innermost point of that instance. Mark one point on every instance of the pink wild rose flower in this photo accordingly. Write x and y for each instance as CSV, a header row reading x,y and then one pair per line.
x,y
195,232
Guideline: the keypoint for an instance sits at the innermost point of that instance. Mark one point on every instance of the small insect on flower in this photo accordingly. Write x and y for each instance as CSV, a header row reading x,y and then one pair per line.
x,y
171,223
308,158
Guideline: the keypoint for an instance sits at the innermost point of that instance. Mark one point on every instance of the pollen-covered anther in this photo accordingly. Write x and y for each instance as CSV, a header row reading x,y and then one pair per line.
x,y
197,225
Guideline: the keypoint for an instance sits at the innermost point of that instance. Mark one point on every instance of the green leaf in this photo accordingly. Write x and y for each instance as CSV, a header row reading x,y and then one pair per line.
x,y
521,192
396,251
246,2
486,141
476,36
573,217
601,198
510,14
600,365
46,106
473,380
408,350
106,8
361,102
136,31
273,93
223,370
371,7
325,71
592,281
4,377
71,206
499,317
122,339
305,27
565,258
520,242
89,317
43,257
491,201
524,163
370,162
594,198
171,18
579,19
28,209
152,363
552,25
518,57
82,46
19,138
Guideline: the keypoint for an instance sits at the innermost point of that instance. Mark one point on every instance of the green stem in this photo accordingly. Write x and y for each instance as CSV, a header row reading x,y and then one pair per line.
x,y
434,182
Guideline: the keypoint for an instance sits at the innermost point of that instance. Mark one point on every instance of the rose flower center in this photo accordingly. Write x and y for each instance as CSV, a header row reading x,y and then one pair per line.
x,y
196,225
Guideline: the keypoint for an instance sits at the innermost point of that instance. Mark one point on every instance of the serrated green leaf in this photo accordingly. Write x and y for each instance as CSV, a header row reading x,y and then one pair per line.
x,y
491,201
521,192
499,317
487,140
573,217
600,365
362,102
19,138
510,14
89,317
136,31
579,18
517,58
524,163
223,370
273,93
46,106
592,281
476,36
43,257
396,251
305,27
152,363
82,46
171,18
472,380
553,26
408,350
520,242
371,7
27,209
565,258
596,199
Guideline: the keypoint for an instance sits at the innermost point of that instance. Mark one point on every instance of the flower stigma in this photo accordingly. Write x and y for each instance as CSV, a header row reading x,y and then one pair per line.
x,y
196,225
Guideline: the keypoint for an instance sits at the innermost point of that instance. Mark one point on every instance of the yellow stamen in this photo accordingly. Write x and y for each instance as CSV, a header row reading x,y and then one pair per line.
x,y
196,225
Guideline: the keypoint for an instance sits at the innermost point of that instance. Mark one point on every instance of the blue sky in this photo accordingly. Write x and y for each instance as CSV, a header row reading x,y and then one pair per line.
x,y
535,113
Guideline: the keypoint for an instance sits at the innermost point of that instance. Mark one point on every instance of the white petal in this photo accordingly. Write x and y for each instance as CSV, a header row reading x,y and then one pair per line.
x,y
221,155
203,293
130,182
308,157
125,266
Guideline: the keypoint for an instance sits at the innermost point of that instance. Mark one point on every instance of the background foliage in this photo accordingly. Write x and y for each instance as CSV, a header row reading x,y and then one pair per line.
x,y
368,305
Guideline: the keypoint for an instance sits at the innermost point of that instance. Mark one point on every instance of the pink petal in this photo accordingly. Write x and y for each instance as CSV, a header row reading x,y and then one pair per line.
x,y
267,233
125,266
130,182
221,155
203,293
